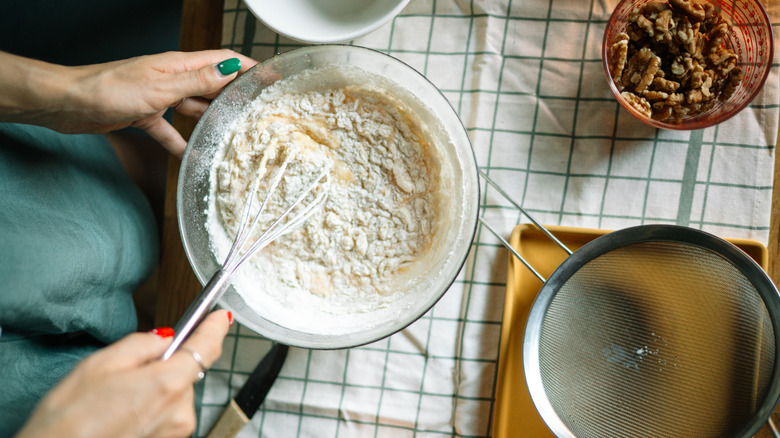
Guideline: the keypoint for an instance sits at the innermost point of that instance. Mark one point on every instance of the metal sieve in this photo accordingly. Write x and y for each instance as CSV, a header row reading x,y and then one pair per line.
x,y
654,331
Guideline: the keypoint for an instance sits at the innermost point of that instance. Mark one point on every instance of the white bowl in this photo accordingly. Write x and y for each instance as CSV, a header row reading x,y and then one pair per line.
x,y
325,21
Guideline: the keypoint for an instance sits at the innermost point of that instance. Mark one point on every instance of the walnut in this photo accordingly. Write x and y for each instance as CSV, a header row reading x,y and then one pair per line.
x,y
665,85
723,61
691,9
711,16
634,33
635,13
696,71
706,85
618,53
675,99
672,106
646,25
681,66
689,36
731,83
716,36
655,95
701,107
680,111
639,103
697,76
693,96
664,23
666,27
661,111
656,7
640,70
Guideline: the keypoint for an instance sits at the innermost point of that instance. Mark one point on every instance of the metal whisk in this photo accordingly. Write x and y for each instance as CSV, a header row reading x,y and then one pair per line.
x,y
219,282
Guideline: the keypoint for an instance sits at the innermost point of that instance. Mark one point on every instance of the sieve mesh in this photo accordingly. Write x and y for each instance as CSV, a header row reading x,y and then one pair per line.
x,y
656,339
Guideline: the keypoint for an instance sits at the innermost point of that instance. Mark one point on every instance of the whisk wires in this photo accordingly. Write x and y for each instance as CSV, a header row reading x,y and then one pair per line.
x,y
277,228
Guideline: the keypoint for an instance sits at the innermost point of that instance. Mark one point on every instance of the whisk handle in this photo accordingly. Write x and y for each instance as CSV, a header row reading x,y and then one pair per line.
x,y
204,302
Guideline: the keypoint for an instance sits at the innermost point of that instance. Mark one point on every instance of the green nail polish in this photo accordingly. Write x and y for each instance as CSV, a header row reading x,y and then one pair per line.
x,y
229,66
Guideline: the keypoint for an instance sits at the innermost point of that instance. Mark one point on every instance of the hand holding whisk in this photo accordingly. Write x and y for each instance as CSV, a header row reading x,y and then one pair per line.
x,y
219,282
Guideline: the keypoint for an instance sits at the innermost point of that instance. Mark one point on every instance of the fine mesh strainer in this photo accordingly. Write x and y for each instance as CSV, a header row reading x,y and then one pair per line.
x,y
654,331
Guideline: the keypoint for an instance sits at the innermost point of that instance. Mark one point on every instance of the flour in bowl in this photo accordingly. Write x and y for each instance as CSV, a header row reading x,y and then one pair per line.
x,y
379,216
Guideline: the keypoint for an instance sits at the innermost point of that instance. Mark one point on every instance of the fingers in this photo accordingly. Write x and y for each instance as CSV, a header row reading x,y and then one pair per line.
x,y
130,352
208,79
204,344
179,418
200,82
165,134
177,374
183,80
193,107
177,62
191,75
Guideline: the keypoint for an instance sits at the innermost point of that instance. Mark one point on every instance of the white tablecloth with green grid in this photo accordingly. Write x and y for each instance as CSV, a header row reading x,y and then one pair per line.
x,y
526,79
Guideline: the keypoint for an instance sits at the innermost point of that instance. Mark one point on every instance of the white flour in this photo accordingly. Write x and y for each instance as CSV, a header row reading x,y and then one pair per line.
x,y
378,219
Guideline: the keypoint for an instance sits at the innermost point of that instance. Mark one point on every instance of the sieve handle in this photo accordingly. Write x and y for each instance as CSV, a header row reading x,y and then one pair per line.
x,y
531,218
512,250
522,210
771,423
200,307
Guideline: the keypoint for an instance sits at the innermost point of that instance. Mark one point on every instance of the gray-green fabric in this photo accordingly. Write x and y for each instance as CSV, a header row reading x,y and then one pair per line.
x,y
77,237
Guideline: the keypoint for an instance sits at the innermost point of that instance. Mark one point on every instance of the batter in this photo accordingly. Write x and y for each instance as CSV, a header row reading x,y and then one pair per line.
x,y
379,215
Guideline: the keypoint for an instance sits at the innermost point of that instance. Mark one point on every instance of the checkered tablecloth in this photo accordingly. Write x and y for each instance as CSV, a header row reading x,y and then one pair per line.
x,y
527,80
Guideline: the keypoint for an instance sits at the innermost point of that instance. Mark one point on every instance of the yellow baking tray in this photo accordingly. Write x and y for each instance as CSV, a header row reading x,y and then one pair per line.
x,y
515,414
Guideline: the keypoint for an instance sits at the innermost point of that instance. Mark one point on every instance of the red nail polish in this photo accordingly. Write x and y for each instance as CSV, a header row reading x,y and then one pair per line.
x,y
163,332
230,318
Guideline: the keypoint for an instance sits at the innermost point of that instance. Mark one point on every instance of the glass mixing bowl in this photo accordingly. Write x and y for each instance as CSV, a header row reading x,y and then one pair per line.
x,y
428,279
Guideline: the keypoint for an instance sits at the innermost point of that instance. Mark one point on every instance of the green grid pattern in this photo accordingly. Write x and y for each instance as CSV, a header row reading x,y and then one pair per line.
x,y
526,78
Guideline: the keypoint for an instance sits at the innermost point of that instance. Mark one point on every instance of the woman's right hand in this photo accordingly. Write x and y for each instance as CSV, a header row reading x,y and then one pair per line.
x,y
126,391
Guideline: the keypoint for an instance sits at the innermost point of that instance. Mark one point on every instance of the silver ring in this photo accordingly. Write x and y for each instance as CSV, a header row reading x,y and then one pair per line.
x,y
199,361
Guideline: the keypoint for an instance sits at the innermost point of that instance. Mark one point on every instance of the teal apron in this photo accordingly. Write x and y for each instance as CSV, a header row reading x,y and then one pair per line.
x,y
77,237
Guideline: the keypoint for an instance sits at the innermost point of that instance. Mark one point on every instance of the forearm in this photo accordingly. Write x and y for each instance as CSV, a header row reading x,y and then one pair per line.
x,y
33,91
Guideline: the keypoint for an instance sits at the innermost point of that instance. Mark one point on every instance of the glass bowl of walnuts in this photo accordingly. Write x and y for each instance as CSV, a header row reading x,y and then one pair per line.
x,y
687,64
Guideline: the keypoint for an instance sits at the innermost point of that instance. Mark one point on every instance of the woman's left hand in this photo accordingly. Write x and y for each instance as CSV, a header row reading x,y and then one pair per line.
x,y
104,97
136,92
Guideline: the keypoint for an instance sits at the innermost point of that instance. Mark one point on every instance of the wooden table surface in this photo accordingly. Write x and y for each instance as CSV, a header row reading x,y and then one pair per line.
x,y
202,29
